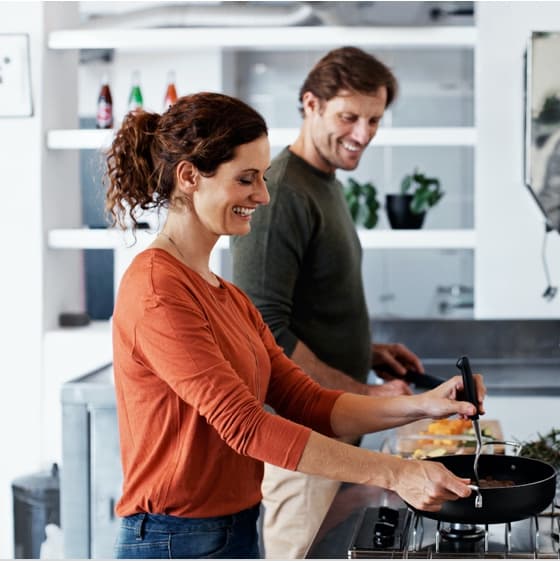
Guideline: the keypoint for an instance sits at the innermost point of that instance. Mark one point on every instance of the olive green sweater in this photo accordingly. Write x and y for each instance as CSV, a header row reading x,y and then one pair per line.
x,y
301,266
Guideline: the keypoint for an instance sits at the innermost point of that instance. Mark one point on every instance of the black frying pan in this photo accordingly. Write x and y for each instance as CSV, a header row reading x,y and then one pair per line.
x,y
534,490
534,480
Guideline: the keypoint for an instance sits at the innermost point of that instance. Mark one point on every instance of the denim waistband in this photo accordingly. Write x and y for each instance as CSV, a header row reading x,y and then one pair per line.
x,y
170,523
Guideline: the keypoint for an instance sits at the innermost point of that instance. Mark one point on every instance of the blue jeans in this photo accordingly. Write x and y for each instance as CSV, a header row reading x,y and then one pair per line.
x,y
145,535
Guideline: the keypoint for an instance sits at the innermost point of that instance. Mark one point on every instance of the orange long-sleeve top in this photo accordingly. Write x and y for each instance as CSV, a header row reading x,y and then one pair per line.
x,y
193,366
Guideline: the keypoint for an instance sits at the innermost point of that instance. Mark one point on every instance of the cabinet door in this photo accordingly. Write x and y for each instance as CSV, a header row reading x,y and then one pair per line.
x,y
74,480
106,481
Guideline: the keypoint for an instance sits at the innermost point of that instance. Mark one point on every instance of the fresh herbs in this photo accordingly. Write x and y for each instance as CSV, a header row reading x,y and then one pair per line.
x,y
545,448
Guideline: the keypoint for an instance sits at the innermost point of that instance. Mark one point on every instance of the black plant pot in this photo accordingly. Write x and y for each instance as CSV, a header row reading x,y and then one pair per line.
x,y
399,213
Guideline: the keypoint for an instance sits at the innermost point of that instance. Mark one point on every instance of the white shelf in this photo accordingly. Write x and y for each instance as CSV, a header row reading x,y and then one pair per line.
x,y
71,352
94,238
94,139
418,239
425,136
99,139
112,239
98,328
103,238
285,38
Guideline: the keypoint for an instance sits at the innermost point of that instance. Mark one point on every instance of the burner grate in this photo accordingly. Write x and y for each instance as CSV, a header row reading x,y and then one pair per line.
x,y
391,534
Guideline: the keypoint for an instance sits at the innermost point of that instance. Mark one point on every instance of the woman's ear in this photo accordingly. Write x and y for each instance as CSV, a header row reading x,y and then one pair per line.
x,y
186,175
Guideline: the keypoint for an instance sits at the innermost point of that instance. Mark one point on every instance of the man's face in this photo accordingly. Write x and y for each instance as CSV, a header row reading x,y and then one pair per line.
x,y
340,129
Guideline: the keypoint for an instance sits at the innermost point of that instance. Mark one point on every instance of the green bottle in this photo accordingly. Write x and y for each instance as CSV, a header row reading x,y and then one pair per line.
x,y
135,100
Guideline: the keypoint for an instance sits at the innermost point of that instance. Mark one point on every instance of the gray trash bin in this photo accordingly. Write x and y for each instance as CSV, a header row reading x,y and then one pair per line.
x,y
36,504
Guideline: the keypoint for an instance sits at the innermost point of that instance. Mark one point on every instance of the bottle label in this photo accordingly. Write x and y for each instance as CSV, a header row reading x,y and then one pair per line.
x,y
135,100
104,117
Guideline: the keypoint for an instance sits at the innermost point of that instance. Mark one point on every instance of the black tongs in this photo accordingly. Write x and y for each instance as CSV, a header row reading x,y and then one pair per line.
x,y
469,388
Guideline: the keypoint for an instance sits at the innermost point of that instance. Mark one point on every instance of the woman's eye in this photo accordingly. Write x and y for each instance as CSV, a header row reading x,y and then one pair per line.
x,y
245,181
265,178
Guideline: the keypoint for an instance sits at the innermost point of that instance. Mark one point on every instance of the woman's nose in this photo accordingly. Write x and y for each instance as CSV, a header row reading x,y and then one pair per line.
x,y
261,195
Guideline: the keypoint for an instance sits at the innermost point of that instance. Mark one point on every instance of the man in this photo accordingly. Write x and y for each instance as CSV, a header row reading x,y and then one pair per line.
x,y
301,265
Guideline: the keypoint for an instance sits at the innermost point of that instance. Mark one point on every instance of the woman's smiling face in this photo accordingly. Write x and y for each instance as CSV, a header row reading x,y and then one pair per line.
x,y
225,202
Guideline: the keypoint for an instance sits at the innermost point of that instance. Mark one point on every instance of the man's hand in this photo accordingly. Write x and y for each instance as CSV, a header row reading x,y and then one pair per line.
x,y
391,360
395,387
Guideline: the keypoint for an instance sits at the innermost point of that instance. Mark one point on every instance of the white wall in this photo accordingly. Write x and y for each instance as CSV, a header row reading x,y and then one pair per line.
x,y
24,284
21,280
509,277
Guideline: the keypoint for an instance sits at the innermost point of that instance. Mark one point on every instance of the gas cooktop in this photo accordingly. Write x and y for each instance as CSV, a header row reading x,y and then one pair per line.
x,y
384,532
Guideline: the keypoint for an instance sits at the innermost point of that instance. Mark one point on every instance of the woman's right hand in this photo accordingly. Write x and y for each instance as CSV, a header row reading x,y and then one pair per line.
x,y
446,399
426,485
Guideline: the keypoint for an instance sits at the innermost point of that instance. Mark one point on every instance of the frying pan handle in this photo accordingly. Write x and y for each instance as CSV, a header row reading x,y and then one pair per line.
x,y
478,499
468,383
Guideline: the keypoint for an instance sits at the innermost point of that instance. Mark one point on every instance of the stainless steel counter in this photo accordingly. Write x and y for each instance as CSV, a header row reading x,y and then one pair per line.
x,y
507,377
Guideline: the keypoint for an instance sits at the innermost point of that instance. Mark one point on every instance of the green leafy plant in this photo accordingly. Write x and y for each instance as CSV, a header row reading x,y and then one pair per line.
x,y
426,191
545,448
362,202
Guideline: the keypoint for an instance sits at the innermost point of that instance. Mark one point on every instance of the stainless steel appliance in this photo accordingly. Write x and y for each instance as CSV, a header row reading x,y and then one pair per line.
x,y
91,475
387,532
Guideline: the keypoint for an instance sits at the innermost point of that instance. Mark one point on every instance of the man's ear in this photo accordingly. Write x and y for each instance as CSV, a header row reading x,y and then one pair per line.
x,y
187,176
310,103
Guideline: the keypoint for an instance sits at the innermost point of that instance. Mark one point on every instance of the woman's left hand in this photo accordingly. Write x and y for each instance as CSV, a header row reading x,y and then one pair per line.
x,y
447,399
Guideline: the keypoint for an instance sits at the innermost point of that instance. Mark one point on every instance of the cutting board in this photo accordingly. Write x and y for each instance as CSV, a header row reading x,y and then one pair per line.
x,y
411,439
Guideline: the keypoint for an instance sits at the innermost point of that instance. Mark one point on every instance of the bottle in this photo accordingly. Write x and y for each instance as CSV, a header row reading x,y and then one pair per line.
x,y
135,100
170,93
104,117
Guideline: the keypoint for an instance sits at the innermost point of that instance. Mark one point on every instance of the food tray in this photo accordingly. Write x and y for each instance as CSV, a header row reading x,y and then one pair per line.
x,y
414,440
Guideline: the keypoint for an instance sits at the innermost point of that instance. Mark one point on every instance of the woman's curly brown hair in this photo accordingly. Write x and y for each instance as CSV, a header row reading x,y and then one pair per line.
x,y
204,129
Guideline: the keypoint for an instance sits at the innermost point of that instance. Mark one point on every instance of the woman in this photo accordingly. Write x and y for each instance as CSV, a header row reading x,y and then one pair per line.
x,y
194,362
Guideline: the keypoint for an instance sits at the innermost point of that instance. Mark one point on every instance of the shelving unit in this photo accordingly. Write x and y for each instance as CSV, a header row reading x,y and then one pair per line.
x,y
141,44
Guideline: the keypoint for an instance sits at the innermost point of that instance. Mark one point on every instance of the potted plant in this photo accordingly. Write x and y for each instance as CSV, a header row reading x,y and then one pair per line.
x,y
362,202
418,193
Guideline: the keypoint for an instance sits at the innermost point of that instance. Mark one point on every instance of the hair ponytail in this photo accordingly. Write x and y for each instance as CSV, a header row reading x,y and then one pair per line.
x,y
130,167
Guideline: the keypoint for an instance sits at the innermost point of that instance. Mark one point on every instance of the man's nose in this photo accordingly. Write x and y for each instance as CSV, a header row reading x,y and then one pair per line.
x,y
363,132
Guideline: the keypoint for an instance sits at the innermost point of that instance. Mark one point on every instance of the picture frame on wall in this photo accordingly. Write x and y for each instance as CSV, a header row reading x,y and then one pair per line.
x,y
542,123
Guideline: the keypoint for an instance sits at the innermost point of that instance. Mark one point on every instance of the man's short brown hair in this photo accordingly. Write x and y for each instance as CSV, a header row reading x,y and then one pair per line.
x,y
348,68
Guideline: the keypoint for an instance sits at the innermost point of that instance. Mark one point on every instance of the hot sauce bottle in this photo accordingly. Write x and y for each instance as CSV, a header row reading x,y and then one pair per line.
x,y
104,116
135,99
170,93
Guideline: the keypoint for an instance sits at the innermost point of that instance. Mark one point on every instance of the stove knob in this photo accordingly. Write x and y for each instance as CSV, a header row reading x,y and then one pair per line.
x,y
383,535
388,515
